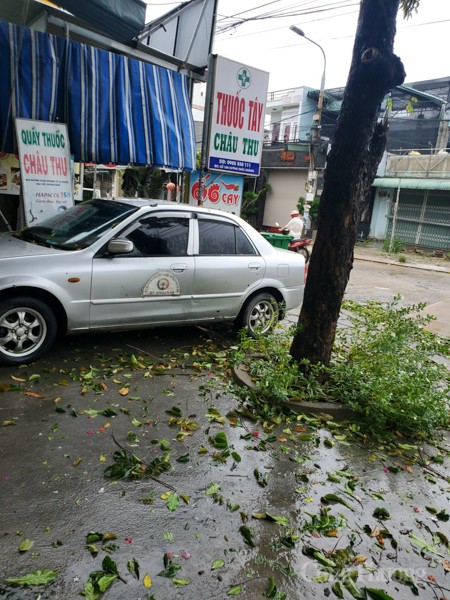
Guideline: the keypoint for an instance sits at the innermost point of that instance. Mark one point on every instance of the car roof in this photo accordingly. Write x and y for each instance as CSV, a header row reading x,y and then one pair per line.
x,y
154,203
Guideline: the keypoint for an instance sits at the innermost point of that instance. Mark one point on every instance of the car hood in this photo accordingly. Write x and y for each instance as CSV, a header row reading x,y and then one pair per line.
x,y
11,247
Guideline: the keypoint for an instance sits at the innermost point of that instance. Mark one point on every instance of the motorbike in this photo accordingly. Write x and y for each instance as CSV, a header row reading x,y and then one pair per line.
x,y
299,245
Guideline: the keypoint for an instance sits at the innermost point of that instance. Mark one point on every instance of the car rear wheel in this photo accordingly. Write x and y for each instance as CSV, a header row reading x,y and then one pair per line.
x,y
260,314
27,329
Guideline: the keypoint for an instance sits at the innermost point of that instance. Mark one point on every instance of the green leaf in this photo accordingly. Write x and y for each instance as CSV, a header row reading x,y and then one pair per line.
x,y
405,579
181,581
214,415
443,515
321,578
89,591
212,489
247,535
271,588
323,560
353,589
108,412
171,571
175,411
25,545
40,577
105,581
109,566
92,549
236,457
184,458
377,496
219,441
424,545
133,567
94,536
378,594
381,513
337,589
234,591
333,498
262,479
261,515
217,564
173,502
280,520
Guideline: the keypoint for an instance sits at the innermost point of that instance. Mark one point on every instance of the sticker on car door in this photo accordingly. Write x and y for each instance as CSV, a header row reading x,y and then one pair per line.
x,y
162,284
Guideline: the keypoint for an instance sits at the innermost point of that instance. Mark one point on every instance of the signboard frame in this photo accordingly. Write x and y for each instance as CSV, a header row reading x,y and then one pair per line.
x,y
46,168
237,116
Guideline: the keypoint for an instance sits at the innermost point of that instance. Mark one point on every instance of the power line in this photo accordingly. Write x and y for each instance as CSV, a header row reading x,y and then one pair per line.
x,y
285,12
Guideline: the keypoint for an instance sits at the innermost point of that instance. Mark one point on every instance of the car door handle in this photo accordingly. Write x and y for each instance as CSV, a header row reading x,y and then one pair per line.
x,y
179,267
253,266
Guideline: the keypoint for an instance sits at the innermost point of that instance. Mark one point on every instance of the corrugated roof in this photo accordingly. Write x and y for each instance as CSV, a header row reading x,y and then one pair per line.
x,y
121,20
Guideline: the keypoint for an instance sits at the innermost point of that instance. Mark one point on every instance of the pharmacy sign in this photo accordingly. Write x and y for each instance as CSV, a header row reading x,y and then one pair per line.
x,y
237,118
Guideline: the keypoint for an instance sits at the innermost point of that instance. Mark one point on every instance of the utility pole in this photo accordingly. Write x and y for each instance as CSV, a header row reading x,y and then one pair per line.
x,y
311,186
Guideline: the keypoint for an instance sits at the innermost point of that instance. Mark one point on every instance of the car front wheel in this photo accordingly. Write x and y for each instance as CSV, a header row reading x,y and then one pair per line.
x,y
27,329
260,314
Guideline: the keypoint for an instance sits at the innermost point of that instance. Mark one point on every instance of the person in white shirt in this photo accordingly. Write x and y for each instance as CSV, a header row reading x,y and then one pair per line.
x,y
295,225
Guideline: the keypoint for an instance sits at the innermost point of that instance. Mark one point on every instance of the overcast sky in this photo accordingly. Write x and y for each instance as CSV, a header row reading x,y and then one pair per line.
x,y
268,44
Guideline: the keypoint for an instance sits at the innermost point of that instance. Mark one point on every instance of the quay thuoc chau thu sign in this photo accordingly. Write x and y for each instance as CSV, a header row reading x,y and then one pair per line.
x,y
237,118
46,168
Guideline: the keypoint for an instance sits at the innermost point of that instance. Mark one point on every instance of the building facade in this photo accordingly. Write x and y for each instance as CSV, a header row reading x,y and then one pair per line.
x,y
411,194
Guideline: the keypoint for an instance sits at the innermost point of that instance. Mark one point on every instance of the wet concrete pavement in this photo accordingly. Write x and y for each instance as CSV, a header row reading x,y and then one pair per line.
x,y
65,417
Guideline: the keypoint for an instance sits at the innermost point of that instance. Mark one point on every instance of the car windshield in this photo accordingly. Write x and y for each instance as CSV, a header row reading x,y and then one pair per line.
x,y
79,226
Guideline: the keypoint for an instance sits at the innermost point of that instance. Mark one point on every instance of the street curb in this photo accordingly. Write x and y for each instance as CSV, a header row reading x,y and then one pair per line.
x,y
314,409
396,263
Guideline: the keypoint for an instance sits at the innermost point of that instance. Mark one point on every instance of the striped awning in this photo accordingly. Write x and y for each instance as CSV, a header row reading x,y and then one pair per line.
x,y
118,110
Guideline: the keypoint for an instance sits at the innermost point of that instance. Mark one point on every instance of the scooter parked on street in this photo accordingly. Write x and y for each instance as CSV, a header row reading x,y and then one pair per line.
x,y
299,245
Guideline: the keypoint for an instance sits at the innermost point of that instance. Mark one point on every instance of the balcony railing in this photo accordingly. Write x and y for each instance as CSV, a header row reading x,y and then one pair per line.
x,y
434,166
279,94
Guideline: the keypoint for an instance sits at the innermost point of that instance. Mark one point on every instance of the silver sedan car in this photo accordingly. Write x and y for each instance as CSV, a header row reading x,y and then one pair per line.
x,y
123,264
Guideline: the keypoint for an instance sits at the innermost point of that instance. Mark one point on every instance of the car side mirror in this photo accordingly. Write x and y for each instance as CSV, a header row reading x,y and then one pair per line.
x,y
119,246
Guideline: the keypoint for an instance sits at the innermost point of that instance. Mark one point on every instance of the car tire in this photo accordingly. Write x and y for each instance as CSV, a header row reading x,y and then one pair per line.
x,y
259,315
28,329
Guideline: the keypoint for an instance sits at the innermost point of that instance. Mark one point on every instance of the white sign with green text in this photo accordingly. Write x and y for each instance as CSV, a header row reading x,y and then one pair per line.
x,y
45,165
237,118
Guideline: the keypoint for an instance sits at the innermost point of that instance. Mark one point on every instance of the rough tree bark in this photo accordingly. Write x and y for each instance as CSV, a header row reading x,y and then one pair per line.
x,y
351,167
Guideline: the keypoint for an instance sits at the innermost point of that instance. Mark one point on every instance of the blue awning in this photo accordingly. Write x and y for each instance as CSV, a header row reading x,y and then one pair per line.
x,y
118,110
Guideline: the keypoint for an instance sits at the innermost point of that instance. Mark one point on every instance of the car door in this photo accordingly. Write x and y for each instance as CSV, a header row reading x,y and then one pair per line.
x,y
227,267
153,283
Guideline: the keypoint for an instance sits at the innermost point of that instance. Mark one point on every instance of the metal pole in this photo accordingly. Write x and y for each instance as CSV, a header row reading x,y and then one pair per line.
x,y
394,218
317,119
206,125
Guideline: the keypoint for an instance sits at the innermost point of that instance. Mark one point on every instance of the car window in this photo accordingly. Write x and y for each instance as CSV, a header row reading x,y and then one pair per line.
x,y
79,226
218,238
160,236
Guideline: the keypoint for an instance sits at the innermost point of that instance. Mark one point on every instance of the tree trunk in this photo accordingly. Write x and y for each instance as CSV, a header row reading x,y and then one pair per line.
x,y
351,168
